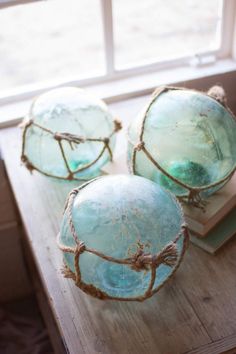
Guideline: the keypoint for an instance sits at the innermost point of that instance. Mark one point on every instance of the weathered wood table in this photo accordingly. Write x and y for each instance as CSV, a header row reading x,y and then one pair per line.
x,y
194,313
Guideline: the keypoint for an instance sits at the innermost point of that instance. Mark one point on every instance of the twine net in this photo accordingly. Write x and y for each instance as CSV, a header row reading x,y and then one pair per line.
x,y
73,141
193,196
140,261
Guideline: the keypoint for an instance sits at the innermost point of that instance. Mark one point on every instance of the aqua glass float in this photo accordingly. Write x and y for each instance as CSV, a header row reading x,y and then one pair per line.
x,y
122,237
68,134
185,141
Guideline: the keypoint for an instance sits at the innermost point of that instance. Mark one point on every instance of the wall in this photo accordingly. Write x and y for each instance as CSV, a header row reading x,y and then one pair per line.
x,y
14,280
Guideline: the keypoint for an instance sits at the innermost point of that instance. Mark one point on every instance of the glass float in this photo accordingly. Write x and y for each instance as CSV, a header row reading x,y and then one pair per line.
x,y
122,237
185,141
68,134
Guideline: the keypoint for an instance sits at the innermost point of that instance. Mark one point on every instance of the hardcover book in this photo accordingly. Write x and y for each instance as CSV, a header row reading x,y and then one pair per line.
x,y
217,207
219,235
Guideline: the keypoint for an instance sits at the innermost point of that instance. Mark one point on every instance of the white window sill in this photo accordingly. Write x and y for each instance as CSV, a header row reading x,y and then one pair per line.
x,y
221,72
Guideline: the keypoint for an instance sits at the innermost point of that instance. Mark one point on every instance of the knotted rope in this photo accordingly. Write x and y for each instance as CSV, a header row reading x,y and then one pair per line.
x,y
143,261
139,261
73,140
194,193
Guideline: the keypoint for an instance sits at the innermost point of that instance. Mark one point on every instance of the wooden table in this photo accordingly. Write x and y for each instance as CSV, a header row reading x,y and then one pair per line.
x,y
194,313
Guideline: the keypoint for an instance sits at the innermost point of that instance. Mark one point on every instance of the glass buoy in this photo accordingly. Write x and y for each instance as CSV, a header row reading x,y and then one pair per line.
x,y
185,141
122,237
68,134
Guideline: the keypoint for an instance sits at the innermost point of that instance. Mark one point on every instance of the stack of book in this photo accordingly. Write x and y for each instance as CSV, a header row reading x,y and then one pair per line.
x,y
214,227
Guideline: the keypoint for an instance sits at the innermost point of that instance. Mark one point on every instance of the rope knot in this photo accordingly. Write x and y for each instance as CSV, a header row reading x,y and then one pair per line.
x,y
168,256
57,136
73,193
71,196
27,163
80,248
118,125
139,261
140,146
70,176
145,261
106,141
218,93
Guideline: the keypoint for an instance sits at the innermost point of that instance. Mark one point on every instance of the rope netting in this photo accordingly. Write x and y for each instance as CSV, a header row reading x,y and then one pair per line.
x,y
193,196
73,140
139,261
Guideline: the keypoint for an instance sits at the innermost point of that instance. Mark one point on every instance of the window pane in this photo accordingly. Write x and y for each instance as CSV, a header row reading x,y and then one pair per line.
x,y
153,30
50,40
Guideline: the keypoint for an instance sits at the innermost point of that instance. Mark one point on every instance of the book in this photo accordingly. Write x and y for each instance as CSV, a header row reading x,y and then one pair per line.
x,y
218,236
218,206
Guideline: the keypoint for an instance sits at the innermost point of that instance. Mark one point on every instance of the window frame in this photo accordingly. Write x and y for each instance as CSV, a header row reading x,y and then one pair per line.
x,y
112,74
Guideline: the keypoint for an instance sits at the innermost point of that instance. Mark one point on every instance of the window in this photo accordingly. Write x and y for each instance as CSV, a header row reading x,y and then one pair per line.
x,y
47,40
47,43
164,29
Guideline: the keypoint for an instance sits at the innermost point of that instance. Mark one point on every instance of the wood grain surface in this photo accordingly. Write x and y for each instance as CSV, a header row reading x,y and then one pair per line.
x,y
195,310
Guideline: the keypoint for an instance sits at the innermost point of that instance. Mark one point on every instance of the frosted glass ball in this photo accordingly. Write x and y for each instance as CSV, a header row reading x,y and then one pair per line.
x,y
74,111
116,215
190,135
